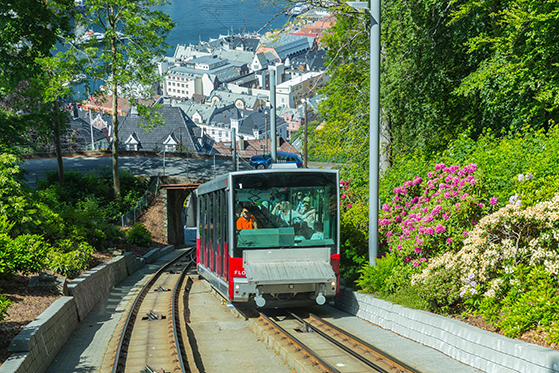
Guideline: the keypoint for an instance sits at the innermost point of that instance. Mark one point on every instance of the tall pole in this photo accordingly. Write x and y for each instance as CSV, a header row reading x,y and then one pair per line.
x,y
306,139
234,151
373,8
265,131
273,146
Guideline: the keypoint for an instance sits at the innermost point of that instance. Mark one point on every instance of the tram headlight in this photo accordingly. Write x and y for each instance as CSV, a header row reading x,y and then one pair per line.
x,y
237,286
333,283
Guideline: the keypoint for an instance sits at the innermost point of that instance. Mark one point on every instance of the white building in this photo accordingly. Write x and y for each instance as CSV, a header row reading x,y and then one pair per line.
x,y
291,92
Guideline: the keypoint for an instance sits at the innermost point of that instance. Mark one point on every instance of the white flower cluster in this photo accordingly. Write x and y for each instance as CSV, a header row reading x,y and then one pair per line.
x,y
500,242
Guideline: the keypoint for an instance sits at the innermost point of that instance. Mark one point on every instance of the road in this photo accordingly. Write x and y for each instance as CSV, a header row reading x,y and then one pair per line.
x,y
144,166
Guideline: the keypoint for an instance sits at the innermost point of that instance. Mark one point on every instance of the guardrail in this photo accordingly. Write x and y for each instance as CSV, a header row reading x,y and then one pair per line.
x,y
130,217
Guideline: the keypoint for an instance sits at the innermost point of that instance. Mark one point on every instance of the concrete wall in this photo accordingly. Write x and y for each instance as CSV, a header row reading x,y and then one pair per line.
x,y
34,349
89,288
478,348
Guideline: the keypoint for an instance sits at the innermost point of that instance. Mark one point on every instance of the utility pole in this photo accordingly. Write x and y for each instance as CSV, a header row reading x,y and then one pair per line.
x,y
234,152
273,135
372,7
265,131
305,118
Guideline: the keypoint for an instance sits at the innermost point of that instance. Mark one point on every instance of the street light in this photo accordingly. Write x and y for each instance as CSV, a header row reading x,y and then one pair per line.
x,y
373,8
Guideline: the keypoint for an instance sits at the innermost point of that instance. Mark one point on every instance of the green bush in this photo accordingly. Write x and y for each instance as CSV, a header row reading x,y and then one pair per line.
x,y
373,278
68,259
25,253
5,303
138,234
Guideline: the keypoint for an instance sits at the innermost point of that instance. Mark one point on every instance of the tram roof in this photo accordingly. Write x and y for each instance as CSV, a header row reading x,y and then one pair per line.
x,y
221,182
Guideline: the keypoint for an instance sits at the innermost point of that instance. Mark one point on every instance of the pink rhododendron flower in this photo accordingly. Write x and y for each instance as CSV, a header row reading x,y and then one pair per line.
x,y
428,219
419,241
449,241
386,207
389,234
399,247
493,201
417,249
481,204
472,167
423,259
465,233
349,205
346,187
440,229
445,216
408,258
415,263
343,196
439,166
464,196
446,194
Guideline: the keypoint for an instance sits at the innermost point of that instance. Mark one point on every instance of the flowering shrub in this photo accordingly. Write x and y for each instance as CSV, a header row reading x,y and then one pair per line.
x,y
428,217
503,254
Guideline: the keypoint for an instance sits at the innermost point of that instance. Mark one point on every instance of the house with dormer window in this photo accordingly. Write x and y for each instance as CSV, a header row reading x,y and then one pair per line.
x,y
178,133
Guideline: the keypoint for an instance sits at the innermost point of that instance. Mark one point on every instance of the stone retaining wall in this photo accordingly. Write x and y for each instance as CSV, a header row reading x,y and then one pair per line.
x,y
478,348
34,349
92,286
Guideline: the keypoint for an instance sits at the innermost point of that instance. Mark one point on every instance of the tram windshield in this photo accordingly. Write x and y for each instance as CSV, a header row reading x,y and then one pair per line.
x,y
287,209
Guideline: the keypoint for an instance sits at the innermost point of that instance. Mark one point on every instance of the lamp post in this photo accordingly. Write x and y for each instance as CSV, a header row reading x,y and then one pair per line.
x,y
373,9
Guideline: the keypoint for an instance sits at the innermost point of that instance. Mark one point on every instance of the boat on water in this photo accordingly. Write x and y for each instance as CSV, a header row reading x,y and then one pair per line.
x,y
91,35
298,9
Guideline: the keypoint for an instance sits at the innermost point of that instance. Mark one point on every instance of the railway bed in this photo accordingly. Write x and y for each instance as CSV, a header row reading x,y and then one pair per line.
x,y
323,347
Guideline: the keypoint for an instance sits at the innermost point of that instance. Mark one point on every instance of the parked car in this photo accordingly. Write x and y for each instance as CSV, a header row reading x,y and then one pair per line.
x,y
262,161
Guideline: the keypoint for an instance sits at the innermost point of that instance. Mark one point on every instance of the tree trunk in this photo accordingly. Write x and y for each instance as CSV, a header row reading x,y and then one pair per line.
x,y
57,145
114,87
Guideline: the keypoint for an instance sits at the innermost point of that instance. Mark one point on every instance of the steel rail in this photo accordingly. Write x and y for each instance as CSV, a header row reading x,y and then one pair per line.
x,y
382,357
120,356
316,359
177,334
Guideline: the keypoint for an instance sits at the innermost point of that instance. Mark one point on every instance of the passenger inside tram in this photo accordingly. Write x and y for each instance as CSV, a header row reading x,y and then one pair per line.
x,y
246,220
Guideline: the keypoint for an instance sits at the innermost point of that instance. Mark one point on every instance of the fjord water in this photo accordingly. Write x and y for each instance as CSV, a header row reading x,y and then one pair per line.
x,y
200,20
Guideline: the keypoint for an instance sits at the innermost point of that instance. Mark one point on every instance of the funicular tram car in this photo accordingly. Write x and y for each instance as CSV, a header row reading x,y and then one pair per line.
x,y
287,252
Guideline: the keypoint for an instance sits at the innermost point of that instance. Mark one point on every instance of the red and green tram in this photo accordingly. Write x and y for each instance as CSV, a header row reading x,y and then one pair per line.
x,y
270,238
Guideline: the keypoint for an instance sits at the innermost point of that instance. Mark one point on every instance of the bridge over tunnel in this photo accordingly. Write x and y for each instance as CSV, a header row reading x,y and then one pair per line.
x,y
180,209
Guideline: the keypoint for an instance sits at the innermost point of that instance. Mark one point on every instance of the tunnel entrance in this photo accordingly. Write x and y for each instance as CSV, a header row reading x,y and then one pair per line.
x,y
175,192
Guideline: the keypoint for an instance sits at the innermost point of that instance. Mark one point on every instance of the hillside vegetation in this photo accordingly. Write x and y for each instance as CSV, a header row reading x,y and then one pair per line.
x,y
59,226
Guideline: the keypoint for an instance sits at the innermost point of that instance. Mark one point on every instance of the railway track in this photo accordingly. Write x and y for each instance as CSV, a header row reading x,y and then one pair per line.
x,y
323,347
152,337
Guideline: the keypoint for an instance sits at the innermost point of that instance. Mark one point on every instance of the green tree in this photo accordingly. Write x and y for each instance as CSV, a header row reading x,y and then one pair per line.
x,y
126,57
29,30
519,78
